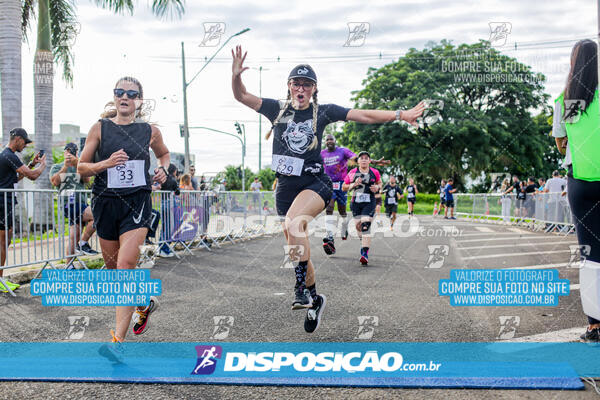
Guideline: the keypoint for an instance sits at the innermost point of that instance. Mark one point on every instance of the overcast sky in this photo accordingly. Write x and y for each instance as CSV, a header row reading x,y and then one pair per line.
x,y
110,46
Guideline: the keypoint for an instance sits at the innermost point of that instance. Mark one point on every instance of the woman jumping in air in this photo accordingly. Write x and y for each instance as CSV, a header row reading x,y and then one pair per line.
x,y
303,189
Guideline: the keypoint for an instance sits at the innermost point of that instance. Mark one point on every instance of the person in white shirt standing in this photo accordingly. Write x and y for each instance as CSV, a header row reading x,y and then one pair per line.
x,y
555,186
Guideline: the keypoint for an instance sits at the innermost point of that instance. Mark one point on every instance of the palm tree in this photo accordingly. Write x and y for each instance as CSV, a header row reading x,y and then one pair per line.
x,y
56,29
10,65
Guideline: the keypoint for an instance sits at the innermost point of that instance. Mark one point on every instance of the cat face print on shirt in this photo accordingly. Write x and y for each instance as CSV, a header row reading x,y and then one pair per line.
x,y
298,136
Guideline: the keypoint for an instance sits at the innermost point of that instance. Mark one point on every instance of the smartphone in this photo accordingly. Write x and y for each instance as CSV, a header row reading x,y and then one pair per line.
x,y
41,154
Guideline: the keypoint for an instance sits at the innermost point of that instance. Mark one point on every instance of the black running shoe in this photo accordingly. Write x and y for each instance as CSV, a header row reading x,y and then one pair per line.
x,y
303,299
87,250
328,246
313,315
591,335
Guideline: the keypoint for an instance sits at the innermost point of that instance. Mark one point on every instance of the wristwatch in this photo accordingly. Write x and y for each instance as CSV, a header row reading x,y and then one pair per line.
x,y
398,115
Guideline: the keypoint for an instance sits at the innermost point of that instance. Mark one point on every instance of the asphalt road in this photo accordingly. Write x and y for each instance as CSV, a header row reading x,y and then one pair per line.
x,y
249,285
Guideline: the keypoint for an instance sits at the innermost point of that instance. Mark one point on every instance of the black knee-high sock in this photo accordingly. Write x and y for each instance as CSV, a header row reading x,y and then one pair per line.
x,y
313,290
301,273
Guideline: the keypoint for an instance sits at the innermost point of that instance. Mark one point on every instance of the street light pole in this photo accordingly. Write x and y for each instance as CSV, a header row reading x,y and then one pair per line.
x,y
260,70
186,133
260,119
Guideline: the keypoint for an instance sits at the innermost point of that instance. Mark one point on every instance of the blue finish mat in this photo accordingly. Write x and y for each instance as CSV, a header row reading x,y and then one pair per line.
x,y
435,365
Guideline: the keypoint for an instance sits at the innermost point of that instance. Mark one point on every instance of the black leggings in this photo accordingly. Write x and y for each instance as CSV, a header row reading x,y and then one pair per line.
x,y
584,200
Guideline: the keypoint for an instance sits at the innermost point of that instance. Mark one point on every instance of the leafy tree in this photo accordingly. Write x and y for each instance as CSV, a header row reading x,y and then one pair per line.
x,y
486,122
266,176
233,176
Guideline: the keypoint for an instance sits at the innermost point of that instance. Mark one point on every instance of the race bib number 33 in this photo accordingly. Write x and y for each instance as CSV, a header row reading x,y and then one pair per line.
x,y
130,174
287,165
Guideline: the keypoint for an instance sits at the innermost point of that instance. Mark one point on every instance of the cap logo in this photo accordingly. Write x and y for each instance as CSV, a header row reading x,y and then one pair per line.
x,y
303,71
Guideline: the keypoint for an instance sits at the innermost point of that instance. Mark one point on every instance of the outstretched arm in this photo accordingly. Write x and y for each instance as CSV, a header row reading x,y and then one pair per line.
x,y
381,116
239,90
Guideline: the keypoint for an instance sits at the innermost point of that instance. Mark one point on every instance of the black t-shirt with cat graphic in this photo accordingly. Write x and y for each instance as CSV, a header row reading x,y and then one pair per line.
x,y
294,133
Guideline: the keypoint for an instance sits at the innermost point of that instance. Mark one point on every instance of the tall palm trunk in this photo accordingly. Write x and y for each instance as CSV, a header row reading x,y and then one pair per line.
x,y
10,65
43,77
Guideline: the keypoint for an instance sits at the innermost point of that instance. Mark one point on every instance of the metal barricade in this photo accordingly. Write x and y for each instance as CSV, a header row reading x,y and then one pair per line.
x,y
47,225
547,212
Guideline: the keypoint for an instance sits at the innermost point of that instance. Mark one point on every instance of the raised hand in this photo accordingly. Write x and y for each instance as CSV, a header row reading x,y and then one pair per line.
x,y
411,115
237,67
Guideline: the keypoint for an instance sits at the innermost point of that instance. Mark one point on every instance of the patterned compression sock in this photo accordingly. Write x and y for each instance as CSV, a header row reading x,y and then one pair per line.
x,y
301,273
313,290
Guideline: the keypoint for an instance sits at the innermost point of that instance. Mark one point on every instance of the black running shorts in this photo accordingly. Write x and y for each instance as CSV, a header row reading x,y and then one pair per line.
x,y
391,208
288,187
113,216
366,209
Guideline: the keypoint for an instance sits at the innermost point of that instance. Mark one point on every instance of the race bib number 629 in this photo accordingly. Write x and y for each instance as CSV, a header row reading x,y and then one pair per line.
x,y
286,165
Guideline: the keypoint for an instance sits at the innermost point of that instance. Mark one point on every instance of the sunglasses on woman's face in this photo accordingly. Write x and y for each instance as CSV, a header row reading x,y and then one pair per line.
x,y
305,85
131,94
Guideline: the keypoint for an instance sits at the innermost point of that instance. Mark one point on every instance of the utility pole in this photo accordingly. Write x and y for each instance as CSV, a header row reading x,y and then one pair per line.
x,y
260,70
186,131
186,134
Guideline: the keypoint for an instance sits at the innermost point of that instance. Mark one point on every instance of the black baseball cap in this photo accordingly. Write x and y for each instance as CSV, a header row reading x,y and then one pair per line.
x,y
303,71
364,152
21,133
72,147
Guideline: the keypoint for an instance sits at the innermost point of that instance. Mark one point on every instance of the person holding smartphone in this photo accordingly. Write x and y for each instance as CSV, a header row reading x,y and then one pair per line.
x,y
12,170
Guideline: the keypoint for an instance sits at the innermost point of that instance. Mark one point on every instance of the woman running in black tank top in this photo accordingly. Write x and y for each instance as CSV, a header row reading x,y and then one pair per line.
x,y
121,205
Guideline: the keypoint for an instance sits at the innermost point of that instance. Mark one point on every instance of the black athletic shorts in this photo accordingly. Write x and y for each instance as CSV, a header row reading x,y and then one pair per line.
x,y
391,208
411,199
113,216
363,209
378,201
288,187
6,215
449,203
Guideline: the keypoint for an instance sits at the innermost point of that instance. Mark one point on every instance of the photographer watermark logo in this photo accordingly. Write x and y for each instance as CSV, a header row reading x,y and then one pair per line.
x,y
432,113
68,33
437,255
292,255
77,325
223,325
208,357
579,254
573,110
508,326
212,34
357,34
499,32
366,326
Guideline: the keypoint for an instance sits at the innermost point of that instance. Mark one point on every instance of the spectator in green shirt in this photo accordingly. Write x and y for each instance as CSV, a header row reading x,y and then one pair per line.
x,y
64,176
